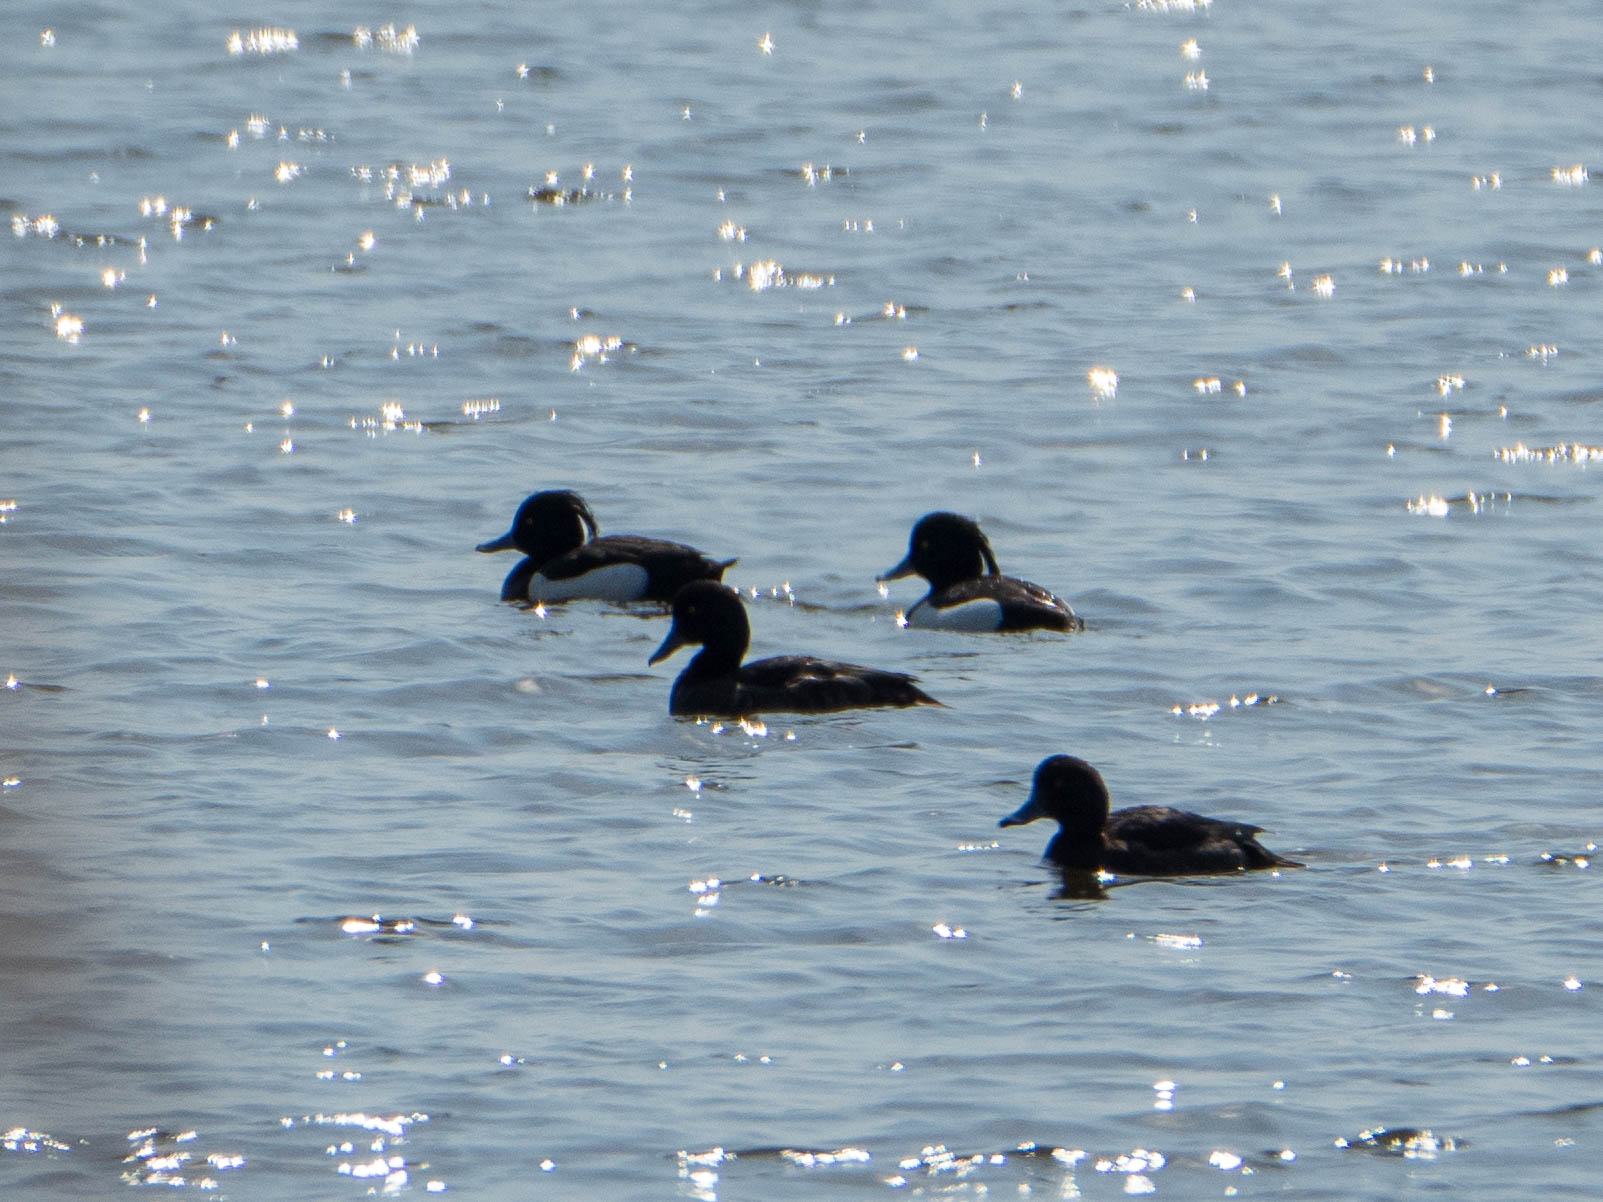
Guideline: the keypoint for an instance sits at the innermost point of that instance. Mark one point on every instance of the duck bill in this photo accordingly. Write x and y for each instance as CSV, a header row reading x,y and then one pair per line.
x,y
669,645
504,543
905,568
1028,812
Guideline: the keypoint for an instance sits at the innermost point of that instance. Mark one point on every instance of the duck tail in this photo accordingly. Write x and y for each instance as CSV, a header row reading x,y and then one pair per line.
x,y
1259,856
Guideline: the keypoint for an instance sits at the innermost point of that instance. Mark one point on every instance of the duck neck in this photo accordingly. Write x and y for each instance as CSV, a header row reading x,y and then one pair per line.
x,y
713,661
1075,850
723,649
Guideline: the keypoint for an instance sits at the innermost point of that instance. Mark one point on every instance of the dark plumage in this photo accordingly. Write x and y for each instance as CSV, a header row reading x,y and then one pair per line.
x,y
569,559
1140,841
967,589
716,684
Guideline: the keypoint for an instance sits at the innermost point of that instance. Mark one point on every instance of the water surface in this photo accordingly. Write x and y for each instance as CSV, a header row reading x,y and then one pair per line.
x,y
285,335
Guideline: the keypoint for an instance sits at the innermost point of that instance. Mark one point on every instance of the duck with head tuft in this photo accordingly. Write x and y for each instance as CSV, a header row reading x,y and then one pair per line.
x,y
967,589
716,684
1140,841
569,559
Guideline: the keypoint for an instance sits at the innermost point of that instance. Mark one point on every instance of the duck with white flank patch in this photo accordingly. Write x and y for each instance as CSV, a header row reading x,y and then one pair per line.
x,y
967,589
569,559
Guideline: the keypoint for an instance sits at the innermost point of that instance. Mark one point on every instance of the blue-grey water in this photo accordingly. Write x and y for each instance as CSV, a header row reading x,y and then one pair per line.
x,y
1265,334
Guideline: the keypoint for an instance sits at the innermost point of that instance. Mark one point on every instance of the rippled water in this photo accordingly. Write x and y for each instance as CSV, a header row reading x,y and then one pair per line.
x,y
1264,334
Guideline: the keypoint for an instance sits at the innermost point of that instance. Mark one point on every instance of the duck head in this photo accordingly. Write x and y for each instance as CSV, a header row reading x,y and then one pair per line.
x,y
712,615
1068,790
944,549
548,524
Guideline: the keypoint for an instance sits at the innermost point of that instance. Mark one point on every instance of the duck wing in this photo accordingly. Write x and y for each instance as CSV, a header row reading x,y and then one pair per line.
x,y
1165,826
1024,606
805,684
1162,841
668,566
